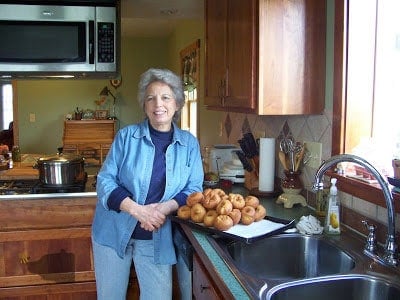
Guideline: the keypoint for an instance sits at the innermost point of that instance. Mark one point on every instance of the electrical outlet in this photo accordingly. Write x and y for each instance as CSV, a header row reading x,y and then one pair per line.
x,y
32,117
315,154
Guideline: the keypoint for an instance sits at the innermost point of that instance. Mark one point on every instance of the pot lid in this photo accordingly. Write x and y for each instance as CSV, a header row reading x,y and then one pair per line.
x,y
61,158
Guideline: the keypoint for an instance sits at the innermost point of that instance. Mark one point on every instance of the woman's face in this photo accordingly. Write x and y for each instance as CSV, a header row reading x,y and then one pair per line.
x,y
160,105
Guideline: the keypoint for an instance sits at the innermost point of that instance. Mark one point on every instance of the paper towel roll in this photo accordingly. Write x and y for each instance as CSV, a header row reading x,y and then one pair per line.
x,y
267,165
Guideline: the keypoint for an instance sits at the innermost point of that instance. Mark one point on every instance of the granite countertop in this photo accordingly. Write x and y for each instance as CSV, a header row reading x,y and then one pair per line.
x,y
274,210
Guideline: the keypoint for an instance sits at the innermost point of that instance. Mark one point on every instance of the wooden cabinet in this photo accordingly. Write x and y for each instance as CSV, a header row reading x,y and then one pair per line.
x,y
203,286
46,250
230,55
265,56
89,138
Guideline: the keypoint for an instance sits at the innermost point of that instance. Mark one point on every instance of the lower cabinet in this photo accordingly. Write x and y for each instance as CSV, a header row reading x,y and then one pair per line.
x,y
203,287
46,250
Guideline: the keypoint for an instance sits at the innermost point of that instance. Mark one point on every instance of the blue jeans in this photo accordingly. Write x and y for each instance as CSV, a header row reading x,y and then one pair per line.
x,y
112,272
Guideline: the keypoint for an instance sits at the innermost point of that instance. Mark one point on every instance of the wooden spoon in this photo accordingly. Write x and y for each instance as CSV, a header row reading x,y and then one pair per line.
x,y
299,158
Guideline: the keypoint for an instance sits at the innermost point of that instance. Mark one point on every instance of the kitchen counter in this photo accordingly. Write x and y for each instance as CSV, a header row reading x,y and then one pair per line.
x,y
211,258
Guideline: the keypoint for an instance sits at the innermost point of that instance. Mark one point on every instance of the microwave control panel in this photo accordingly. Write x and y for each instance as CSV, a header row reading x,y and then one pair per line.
x,y
105,42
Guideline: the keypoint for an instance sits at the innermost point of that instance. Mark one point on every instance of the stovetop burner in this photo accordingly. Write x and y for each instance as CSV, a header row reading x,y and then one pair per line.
x,y
18,187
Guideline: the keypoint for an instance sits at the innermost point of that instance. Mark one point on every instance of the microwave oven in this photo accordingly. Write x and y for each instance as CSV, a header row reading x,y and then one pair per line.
x,y
59,41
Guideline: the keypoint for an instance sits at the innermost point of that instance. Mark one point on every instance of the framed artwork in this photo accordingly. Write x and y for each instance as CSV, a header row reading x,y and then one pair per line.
x,y
101,114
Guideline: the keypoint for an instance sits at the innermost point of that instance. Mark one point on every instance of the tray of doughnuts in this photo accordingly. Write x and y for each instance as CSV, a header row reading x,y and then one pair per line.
x,y
230,215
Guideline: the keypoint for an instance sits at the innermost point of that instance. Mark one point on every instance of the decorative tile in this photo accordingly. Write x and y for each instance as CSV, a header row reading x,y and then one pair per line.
x,y
246,126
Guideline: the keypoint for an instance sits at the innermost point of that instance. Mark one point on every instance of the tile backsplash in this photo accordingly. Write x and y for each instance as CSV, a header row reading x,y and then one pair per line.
x,y
313,128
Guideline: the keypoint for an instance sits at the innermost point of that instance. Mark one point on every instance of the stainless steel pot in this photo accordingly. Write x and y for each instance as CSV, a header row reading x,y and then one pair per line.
x,y
61,169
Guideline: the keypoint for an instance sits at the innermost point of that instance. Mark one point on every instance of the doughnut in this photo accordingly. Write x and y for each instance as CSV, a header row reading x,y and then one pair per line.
x,y
220,192
252,201
237,201
223,222
211,201
235,215
209,218
248,213
260,213
207,191
184,212
224,207
194,198
197,213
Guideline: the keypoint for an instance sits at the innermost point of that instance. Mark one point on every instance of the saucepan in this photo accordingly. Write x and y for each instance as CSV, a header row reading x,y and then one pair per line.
x,y
61,169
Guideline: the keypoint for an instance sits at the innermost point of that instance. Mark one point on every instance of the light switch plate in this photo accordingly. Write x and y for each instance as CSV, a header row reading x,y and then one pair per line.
x,y
32,117
315,154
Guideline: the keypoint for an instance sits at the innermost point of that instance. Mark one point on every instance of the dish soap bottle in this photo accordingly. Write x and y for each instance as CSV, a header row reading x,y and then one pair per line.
x,y
332,220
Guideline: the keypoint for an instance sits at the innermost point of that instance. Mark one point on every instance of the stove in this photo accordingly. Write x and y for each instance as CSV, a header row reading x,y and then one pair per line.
x,y
33,186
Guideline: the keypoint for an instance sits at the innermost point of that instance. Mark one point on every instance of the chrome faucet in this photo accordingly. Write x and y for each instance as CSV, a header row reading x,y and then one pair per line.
x,y
389,256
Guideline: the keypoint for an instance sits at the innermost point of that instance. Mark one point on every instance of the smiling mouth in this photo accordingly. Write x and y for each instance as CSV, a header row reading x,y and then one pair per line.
x,y
159,112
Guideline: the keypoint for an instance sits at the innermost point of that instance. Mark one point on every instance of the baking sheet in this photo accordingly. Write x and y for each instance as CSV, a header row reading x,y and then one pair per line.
x,y
245,233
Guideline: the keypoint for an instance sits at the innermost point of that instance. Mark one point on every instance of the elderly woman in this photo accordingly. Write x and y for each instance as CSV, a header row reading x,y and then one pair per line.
x,y
149,172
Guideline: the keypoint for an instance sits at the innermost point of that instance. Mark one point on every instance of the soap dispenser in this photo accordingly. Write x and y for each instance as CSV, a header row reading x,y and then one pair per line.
x,y
332,219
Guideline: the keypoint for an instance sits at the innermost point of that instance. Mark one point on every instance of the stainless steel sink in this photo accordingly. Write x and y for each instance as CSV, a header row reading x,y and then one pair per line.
x,y
295,266
342,287
287,257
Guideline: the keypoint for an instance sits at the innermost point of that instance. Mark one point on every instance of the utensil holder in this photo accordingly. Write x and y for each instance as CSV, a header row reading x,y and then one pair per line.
x,y
78,116
291,186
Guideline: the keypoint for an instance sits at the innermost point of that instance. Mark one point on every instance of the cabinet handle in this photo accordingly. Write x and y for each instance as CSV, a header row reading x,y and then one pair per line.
x,y
204,287
221,90
24,258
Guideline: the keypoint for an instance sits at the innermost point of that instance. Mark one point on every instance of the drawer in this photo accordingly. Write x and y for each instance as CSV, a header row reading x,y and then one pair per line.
x,y
47,261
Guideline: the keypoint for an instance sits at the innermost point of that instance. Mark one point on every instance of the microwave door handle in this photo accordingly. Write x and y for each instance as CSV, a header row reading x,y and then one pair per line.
x,y
91,42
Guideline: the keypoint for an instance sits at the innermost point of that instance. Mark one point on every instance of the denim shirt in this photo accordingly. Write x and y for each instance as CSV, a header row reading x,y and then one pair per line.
x,y
129,164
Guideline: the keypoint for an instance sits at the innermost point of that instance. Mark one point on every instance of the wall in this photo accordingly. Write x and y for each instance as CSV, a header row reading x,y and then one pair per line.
x,y
50,100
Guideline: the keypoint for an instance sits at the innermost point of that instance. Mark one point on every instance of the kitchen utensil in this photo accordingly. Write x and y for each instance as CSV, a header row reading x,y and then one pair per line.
x,y
61,169
282,159
287,147
299,158
250,148
243,159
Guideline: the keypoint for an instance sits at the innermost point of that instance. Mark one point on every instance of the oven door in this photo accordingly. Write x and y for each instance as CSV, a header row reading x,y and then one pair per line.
x,y
184,266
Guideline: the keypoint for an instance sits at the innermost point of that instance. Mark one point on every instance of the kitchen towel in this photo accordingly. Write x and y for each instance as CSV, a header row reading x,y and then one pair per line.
x,y
267,165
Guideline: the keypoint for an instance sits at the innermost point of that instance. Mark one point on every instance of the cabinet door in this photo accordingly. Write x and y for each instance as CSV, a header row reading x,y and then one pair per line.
x,y
215,59
203,287
241,55
231,55
292,38
32,262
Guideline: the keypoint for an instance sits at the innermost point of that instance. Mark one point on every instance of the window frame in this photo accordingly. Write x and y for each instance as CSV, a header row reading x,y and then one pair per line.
x,y
368,192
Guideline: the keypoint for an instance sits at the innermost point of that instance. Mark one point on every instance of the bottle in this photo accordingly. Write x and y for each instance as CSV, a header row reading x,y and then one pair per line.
x,y
10,161
332,220
16,153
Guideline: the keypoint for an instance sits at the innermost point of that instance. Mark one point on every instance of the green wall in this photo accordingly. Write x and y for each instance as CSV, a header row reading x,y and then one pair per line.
x,y
51,100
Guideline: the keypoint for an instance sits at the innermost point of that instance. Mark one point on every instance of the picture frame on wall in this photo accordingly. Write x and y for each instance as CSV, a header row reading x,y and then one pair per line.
x,y
101,114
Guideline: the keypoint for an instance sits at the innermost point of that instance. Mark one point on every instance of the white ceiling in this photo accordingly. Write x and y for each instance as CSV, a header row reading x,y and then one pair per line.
x,y
157,18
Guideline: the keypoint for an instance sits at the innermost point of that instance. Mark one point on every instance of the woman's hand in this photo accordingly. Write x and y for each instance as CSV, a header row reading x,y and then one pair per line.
x,y
151,216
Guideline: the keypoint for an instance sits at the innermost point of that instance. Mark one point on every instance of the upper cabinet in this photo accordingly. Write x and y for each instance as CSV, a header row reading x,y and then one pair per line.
x,y
265,56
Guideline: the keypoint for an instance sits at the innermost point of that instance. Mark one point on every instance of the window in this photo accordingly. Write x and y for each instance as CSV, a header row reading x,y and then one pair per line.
x,y
368,87
6,109
190,62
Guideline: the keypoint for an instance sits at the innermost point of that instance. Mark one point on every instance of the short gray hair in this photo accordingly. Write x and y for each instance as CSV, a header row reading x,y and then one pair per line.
x,y
165,76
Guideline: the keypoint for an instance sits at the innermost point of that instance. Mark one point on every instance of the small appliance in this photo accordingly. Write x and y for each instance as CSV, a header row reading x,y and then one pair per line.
x,y
224,161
